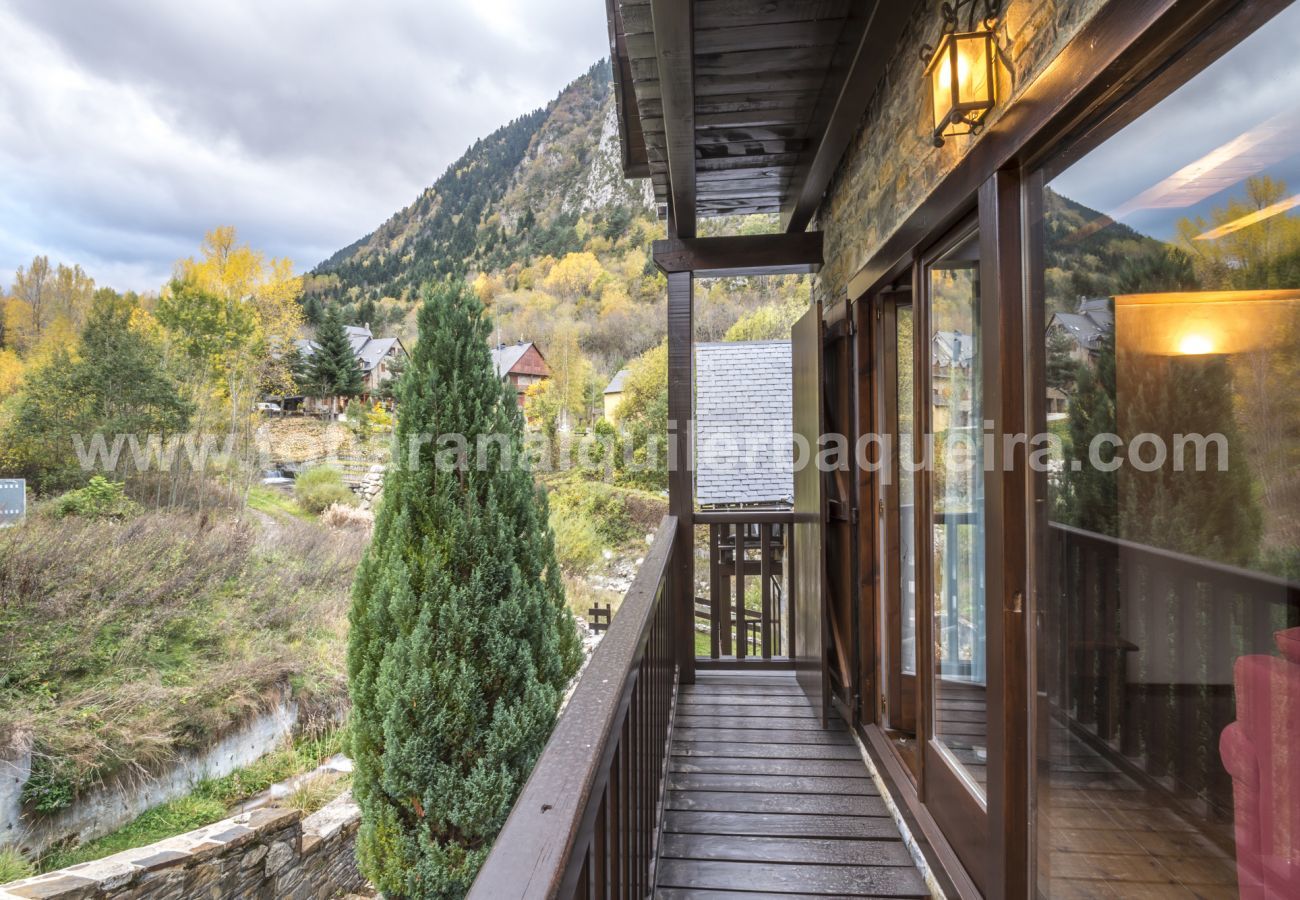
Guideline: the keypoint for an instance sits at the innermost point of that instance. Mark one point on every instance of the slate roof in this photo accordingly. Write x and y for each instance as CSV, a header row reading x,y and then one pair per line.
x,y
1093,320
374,351
615,385
507,357
954,348
744,440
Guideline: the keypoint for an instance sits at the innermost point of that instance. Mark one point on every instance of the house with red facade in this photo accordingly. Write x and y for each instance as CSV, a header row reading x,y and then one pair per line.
x,y
522,364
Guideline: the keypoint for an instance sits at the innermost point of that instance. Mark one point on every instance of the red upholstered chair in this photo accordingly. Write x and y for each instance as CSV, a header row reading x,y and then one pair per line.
x,y
1261,751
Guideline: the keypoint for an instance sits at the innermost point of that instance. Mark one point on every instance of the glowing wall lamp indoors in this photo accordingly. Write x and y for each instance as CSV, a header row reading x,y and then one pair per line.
x,y
1195,345
962,69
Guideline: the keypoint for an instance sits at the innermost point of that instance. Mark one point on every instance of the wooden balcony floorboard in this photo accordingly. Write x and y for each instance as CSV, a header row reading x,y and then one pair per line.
x,y
763,802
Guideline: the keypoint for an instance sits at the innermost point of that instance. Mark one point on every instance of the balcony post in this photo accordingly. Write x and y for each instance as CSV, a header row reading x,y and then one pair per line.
x,y
681,463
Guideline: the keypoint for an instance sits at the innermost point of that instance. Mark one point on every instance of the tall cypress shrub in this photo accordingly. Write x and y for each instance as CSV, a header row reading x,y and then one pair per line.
x,y
461,643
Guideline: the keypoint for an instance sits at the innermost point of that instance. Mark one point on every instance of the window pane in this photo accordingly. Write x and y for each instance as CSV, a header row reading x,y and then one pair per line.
x,y
957,510
1169,758
906,493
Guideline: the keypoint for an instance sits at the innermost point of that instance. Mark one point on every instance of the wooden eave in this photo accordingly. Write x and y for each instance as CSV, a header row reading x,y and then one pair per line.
x,y
746,106
630,138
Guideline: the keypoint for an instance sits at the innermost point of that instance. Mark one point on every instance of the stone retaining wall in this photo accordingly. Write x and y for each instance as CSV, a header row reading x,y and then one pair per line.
x,y
121,799
267,853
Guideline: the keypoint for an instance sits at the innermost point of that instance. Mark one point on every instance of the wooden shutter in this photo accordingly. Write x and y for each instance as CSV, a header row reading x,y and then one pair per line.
x,y
810,615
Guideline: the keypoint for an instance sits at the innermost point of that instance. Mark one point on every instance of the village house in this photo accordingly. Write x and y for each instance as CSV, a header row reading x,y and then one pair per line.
x,y
379,359
613,394
521,364
1013,675
1086,328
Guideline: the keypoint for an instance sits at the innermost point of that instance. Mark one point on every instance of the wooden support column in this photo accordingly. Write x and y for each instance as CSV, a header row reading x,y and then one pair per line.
x,y
681,462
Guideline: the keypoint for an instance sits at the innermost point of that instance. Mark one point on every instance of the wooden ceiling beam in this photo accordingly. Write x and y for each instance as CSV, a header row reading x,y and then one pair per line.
x,y
840,112
675,54
756,254
724,13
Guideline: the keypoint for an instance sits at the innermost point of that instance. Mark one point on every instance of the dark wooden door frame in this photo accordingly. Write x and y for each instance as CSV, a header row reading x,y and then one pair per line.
x,y
896,710
1006,492
967,822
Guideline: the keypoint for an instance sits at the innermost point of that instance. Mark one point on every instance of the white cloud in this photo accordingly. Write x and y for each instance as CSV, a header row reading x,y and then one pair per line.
x,y
128,127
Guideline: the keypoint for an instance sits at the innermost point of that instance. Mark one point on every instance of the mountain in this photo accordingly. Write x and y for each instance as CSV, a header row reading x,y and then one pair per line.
x,y
538,217
516,194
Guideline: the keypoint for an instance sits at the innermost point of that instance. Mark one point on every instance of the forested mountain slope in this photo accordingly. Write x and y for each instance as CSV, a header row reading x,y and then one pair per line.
x,y
539,218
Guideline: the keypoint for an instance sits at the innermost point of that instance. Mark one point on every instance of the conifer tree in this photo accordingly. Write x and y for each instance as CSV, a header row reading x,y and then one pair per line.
x,y
1091,499
333,370
460,644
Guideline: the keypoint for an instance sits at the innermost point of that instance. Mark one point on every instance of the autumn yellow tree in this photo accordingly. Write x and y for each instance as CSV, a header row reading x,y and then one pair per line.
x,y
44,299
234,314
571,372
11,373
576,275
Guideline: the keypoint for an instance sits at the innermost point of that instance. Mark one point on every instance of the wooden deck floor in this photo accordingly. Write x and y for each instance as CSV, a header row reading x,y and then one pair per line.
x,y
762,802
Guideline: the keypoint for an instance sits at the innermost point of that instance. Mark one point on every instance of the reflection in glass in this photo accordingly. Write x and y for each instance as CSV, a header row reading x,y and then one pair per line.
x,y
1169,757
906,493
957,510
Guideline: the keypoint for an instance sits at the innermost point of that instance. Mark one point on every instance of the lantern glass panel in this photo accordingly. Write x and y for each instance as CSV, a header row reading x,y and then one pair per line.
x,y
941,68
974,89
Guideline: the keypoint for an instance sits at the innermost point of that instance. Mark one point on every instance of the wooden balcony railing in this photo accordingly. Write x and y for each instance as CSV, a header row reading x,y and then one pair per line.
x,y
587,821
749,612
1141,648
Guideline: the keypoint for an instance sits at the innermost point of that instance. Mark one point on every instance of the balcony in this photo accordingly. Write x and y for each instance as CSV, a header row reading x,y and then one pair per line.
x,y
653,787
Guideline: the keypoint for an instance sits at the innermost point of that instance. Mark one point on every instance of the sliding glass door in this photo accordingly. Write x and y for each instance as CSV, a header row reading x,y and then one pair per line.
x,y
1167,291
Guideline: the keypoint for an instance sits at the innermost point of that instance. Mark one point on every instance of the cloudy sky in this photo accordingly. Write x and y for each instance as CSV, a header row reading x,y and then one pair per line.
x,y
1245,102
129,127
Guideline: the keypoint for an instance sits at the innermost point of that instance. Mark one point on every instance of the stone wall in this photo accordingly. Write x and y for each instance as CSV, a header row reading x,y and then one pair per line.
x,y
122,799
267,853
892,165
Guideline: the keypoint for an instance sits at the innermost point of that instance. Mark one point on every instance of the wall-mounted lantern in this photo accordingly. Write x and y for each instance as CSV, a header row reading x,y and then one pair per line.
x,y
962,70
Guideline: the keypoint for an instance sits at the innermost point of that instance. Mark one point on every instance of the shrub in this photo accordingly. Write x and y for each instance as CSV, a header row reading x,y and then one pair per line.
x,y
600,504
577,542
460,646
99,499
339,516
310,794
381,420
14,866
358,420
320,487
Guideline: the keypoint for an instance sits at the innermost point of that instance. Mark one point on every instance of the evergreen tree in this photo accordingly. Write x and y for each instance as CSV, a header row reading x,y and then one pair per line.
x,y
460,641
1090,497
312,312
1062,368
333,370
117,384
1209,513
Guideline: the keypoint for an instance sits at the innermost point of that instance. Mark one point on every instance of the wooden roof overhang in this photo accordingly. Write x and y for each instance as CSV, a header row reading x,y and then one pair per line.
x,y
745,106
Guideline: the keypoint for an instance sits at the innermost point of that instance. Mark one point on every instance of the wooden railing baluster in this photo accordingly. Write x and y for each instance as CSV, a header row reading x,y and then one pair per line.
x,y
744,544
